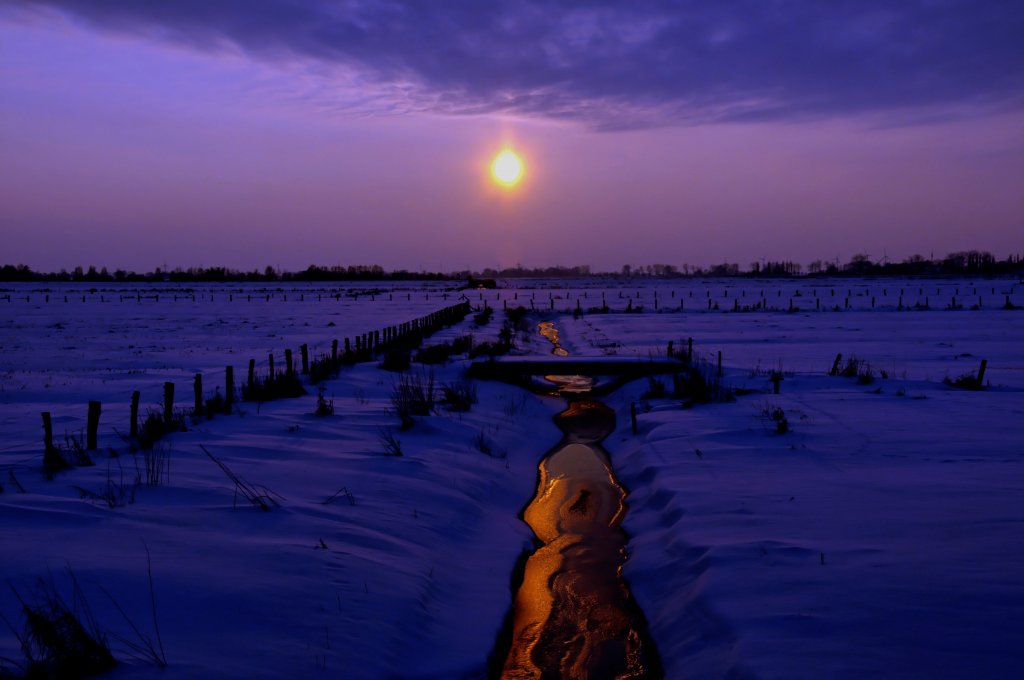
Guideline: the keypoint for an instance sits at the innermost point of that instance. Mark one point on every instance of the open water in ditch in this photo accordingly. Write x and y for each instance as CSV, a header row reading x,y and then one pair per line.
x,y
573,616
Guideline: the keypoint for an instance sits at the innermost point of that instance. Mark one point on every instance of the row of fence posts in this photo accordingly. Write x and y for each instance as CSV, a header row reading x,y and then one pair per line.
x,y
515,296
365,346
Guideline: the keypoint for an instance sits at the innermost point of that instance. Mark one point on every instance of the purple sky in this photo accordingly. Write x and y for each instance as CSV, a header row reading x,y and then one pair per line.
x,y
247,133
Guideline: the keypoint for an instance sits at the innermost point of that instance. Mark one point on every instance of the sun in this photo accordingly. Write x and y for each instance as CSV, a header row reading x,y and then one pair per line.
x,y
507,168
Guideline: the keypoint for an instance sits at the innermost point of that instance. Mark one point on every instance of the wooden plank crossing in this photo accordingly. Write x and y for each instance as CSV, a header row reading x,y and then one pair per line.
x,y
515,367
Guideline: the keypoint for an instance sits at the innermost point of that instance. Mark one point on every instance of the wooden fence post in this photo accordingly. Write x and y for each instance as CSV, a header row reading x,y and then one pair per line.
x,y
92,425
53,462
197,388
288,363
229,388
981,373
270,361
334,351
689,350
47,432
251,378
168,402
133,426
719,363
632,414
835,364
304,348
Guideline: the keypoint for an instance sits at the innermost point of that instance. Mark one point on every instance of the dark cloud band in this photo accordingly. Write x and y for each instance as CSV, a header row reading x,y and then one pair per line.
x,y
625,64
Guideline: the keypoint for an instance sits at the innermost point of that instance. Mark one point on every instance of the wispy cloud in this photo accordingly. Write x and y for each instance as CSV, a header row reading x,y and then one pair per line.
x,y
612,64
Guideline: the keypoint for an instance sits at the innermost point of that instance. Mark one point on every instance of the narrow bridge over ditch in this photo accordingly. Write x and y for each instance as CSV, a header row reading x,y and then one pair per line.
x,y
619,370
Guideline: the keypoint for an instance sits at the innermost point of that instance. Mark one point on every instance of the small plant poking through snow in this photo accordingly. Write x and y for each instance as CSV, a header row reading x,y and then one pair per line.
x,y
483,317
70,454
441,352
343,492
966,381
215,404
323,367
154,427
157,465
514,406
492,349
391,445
396,360
655,389
324,407
116,493
413,395
777,417
856,368
701,384
483,443
459,395
61,641
280,386
257,494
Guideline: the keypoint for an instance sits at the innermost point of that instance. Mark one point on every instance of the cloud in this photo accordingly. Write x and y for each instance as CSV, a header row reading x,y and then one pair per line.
x,y
613,64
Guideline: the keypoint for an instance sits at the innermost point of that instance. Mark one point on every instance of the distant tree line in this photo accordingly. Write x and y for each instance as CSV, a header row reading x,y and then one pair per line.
x,y
520,272
967,263
216,274
964,263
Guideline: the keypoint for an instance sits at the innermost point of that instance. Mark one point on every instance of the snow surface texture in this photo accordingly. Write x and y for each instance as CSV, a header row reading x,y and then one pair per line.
x,y
882,536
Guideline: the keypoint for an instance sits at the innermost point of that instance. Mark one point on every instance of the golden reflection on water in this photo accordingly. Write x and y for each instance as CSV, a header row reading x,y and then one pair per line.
x,y
572,613
549,331
571,384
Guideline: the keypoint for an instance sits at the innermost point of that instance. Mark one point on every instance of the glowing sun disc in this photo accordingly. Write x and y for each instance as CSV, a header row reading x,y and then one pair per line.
x,y
507,168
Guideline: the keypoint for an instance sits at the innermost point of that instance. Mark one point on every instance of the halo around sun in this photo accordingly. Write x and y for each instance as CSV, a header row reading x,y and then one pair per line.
x,y
507,168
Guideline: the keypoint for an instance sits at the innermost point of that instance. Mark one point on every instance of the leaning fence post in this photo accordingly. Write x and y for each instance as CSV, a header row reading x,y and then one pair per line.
x,y
981,372
133,427
835,364
168,402
93,425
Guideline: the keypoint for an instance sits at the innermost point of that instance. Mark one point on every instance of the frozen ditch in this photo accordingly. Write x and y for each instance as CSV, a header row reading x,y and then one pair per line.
x,y
573,616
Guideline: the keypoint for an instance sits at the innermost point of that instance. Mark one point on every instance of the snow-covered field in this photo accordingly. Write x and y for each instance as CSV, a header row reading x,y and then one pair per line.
x,y
882,536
